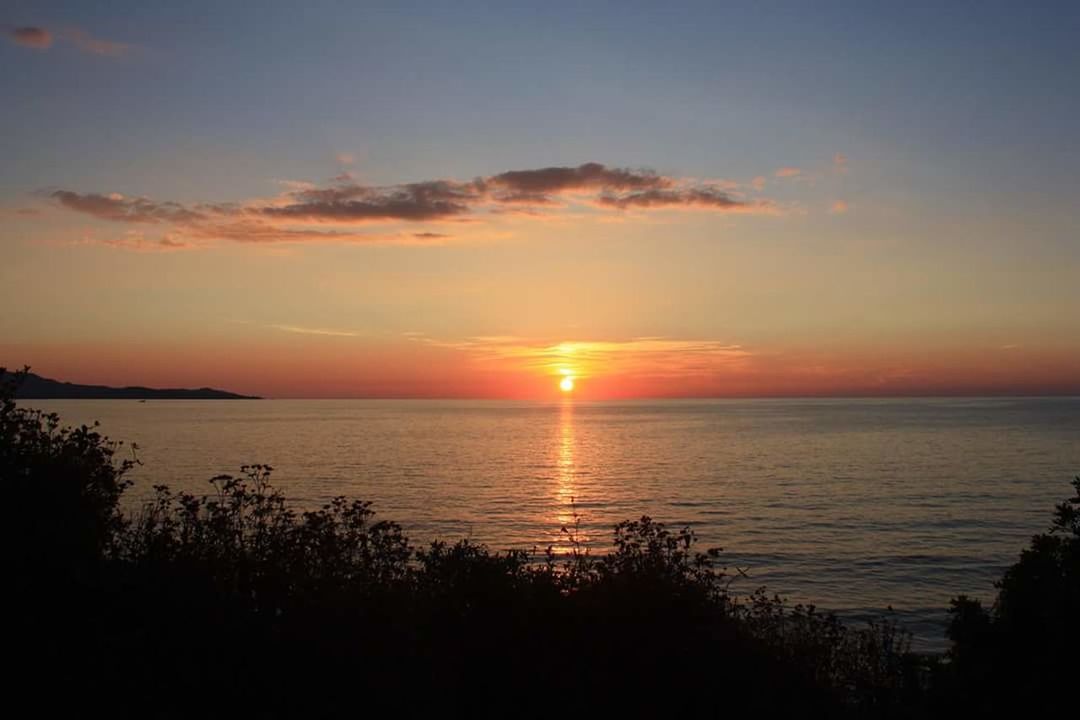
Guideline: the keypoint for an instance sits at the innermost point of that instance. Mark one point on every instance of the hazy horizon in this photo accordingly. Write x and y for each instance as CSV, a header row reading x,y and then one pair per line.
x,y
577,398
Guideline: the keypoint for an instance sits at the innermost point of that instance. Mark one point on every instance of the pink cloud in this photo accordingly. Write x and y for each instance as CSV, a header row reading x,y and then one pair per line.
x,y
41,39
138,242
95,46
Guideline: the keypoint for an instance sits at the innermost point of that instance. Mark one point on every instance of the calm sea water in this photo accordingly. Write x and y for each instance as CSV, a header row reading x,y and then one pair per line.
x,y
854,505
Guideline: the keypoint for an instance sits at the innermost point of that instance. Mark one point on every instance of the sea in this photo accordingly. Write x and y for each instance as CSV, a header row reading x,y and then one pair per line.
x,y
869,508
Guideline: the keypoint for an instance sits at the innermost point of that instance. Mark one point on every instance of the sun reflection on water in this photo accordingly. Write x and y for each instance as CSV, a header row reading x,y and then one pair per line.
x,y
566,490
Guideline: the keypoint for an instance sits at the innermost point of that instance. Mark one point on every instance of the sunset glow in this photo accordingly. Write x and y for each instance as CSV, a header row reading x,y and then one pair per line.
x,y
735,226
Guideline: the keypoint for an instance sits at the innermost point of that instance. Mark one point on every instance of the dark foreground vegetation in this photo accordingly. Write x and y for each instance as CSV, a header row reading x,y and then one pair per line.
x,y
234,604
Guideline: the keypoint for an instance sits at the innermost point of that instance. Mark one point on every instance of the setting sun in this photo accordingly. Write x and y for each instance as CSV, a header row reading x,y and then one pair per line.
x,y
566,384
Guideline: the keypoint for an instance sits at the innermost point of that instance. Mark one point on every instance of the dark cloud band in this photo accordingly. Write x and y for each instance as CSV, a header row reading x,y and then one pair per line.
x,y
345,202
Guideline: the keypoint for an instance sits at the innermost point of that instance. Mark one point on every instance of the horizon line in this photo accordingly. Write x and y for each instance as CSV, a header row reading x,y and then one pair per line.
x,y
683,397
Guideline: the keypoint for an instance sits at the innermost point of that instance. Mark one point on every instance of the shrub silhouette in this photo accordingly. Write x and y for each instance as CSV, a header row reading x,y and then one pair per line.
x,y
339,590
1021,655
66,485
62,487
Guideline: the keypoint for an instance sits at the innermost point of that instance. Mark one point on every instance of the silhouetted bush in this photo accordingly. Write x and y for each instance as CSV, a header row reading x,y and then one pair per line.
x,y
1023,655
235,604
63,485
61,525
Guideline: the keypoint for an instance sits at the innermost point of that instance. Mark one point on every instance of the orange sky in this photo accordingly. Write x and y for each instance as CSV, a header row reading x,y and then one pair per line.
x,y
339,367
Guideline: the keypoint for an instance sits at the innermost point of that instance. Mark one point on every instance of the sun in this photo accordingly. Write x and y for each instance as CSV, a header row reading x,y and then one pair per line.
x,y
566,384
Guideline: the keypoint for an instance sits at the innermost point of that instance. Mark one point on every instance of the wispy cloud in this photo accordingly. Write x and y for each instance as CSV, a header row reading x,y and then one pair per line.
x,y
95,46
148,245
302,211
315,331
41,38
788,172
22,212
137,241
655,357
839,207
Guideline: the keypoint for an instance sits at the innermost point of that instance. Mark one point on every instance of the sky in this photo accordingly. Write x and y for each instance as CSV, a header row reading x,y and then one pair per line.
x,y
347,199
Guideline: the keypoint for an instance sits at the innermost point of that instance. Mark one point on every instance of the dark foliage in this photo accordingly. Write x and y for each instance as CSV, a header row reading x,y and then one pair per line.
x,y
1023,655
234,604
67,473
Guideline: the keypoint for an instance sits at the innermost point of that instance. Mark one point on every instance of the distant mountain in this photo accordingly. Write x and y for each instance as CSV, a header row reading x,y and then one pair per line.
x,y
35,387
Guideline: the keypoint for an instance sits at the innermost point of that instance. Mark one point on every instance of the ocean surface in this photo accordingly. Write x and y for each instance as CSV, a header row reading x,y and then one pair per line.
x,y
853,505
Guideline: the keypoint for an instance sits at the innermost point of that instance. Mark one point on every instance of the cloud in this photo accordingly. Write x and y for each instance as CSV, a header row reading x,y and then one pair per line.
x,y
21,212
315,331
117,207
838,208
31,37
42,39
758,183
788,172
136,241
352,203
693,197
95,46
171,241
840,163
642,356
303,210
345,158
245,230
548,181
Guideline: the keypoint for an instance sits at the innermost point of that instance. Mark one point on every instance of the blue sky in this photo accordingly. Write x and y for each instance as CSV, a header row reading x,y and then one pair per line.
x,y
437,89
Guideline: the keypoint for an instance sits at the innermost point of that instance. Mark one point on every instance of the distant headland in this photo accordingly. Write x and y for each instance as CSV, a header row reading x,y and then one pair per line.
x,y
35,387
